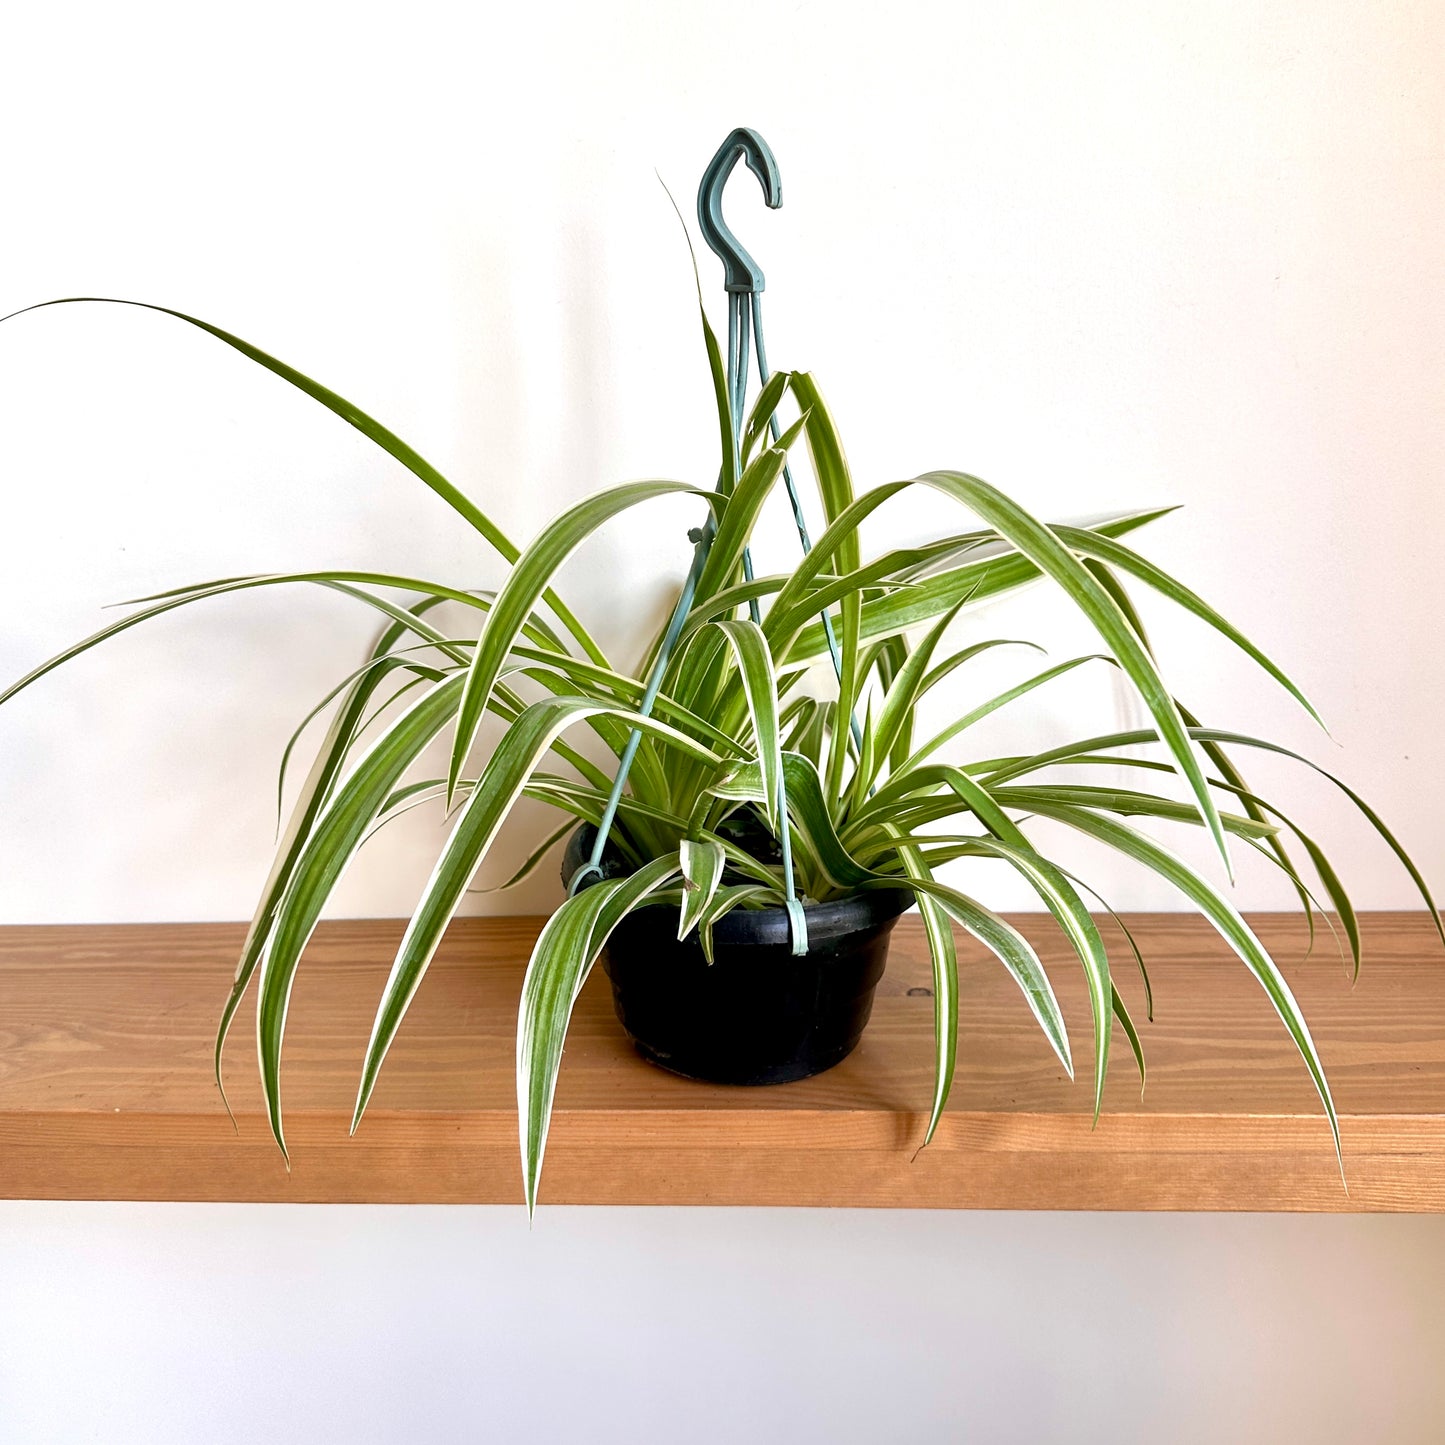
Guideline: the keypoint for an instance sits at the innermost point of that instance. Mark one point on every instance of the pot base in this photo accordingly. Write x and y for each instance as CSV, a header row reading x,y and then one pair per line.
x,y
758,1015
783,1073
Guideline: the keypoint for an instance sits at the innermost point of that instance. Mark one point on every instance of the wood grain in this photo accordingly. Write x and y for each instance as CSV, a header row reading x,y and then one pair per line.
x,y
106,1089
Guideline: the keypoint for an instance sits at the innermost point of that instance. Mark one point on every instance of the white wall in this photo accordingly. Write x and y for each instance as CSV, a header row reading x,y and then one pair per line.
x,y
136,1324
1100,254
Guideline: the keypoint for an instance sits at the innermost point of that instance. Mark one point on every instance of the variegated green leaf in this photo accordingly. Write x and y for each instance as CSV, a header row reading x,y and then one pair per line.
x,y
735,895
1226,920
703,862
1115,554
368,426
760,687
501,782
563,956
1011,949
527,582
999,770
325,853
943,955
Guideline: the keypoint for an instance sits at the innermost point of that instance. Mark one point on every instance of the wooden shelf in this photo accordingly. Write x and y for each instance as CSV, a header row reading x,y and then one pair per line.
x,y
106,1089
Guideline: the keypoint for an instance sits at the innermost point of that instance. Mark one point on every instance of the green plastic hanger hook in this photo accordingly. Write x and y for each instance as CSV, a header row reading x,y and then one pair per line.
x,y
743,273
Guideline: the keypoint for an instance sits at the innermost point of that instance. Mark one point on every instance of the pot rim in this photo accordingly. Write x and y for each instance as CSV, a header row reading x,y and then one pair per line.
x,y
853,913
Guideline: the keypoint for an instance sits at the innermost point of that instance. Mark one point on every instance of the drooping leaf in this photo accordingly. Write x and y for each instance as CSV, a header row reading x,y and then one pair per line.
x,y
526,583
325,852
368,426
563,956
703,862
337,581
1039,544
500,783
383,667
315,792
1227,922
1132,1034
1255,827
943,955
1059,896
999,770
727,898
1013,950
1115,554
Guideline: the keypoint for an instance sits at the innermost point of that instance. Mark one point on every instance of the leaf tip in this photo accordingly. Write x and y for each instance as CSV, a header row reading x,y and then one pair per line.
x,y
279,1135
226,1104
1216,827
363,1098
929,1132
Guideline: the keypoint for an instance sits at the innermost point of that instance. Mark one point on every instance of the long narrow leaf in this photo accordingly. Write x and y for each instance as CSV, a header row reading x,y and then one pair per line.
x,y
1127,802
1115,554
1079,928
900,702
334,580
976,715
326,852
315,792
736,895
1132,1034
535,858
561,960
835,486
769,398
807,808
999,770
1013,950
527,582
702,862
498,787
1255,827
368,426
1226,920
760,686
943,956
980,579
382,666
741,512
1039,544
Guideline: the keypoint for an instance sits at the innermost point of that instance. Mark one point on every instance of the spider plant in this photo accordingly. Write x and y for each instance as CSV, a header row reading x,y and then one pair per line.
x,y
731,756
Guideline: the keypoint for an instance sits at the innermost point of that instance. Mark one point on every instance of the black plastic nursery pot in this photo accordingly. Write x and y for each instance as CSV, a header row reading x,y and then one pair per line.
x,y
756,1014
